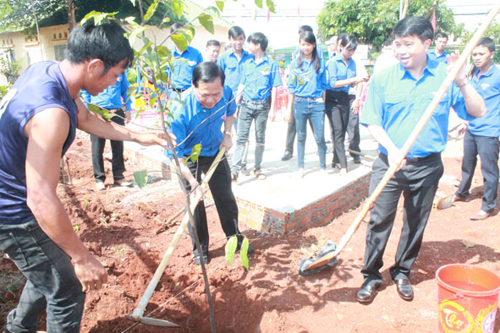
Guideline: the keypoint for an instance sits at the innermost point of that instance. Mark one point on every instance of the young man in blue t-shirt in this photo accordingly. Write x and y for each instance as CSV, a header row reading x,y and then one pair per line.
x,y
39,117
257,97
482,134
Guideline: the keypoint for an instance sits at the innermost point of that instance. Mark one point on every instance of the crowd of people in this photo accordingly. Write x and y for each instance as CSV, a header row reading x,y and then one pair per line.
x,y
42,111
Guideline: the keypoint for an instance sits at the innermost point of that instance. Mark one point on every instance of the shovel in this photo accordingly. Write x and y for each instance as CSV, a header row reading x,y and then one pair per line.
x,y
325,259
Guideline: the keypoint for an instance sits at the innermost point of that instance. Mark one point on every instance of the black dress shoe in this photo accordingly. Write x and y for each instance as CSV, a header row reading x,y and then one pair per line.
x,y
357,159
405,291
286,156
368,291
197,259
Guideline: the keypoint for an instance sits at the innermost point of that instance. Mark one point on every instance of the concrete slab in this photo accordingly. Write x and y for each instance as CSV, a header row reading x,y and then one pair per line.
x,y
284,202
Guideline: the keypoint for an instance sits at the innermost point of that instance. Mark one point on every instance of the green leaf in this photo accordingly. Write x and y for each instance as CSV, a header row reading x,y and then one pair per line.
x,y
164,53
105,114
177,8
131,90
270,5
76,227
134,33
195,153
244,254
230,248
151,10
180,41
131,76
258,3
220,5
141,178
207,22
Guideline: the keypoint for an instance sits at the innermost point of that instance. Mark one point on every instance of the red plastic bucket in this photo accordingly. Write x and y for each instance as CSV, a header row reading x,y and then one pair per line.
x,y
467,297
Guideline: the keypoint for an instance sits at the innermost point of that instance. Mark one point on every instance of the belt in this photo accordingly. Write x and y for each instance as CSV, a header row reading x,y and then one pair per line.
x,y
255,102
309,99
420,159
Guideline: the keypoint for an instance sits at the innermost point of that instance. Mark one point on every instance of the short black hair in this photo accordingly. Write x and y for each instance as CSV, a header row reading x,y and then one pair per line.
x,y
414,26
488,43
105,42
213,42
305,28
441,35
348,41
207,71
258,38
387,42
235,31
176,26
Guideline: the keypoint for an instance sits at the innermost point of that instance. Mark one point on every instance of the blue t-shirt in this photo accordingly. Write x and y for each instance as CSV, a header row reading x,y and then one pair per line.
x,y
114,97
338,70
233,68
305,81
488,86
203,125
184,64
396,101
260,78
40,87
441,58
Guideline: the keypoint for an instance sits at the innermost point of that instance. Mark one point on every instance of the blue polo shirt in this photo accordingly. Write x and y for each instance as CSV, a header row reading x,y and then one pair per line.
x,y
396,101
233,67
184,64
305,82
114,97
441,58
260,78
190,118
488,86
338,70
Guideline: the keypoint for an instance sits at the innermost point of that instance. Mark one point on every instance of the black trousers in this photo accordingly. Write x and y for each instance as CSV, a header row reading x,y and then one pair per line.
x,y
487,148
418,182
225,202
353,129
337,111
118,166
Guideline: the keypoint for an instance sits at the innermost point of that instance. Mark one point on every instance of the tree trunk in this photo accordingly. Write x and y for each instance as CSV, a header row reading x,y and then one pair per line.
x,y
405,9
71,15
429,13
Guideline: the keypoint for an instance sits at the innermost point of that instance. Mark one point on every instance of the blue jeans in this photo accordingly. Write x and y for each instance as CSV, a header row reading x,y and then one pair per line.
x,y
314,110
52,283
249,111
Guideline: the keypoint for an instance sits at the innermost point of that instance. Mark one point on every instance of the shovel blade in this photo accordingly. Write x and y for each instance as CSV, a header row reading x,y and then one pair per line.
x,y
154,321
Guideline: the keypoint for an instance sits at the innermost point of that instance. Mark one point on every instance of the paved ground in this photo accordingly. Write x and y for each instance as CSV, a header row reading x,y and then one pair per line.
x,y
283,190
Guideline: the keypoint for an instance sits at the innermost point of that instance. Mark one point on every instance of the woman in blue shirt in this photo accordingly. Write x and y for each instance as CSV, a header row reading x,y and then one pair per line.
x,y
306,85
341,75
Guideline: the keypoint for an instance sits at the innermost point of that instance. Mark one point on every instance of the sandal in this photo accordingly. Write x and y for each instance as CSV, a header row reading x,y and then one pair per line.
x,y
259,175
234,177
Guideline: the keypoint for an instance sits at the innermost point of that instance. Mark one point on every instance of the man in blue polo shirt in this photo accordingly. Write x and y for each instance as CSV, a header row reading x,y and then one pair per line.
x,y
257,93
39,118
184,63
113,99
481,136
439,54
197,120
397,98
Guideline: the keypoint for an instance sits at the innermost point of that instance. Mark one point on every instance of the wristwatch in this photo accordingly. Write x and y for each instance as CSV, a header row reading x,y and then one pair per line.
x,y
228,133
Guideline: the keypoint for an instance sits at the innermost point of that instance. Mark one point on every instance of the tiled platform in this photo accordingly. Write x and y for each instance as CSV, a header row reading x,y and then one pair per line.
x,y
284,202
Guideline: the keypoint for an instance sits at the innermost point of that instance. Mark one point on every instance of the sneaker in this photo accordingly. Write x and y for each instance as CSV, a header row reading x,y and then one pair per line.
x,y
123,183
100,186
197,259
286,156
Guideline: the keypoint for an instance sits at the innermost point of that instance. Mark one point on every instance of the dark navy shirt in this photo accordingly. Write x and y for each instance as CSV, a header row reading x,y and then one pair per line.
x,y
202,125
396,101
40,87
233,68
488,86
260,78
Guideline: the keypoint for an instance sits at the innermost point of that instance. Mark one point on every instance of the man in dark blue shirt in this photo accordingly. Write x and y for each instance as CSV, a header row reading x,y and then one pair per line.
x,y
197,120
39,117
113,99
396,99
439,54
482,134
